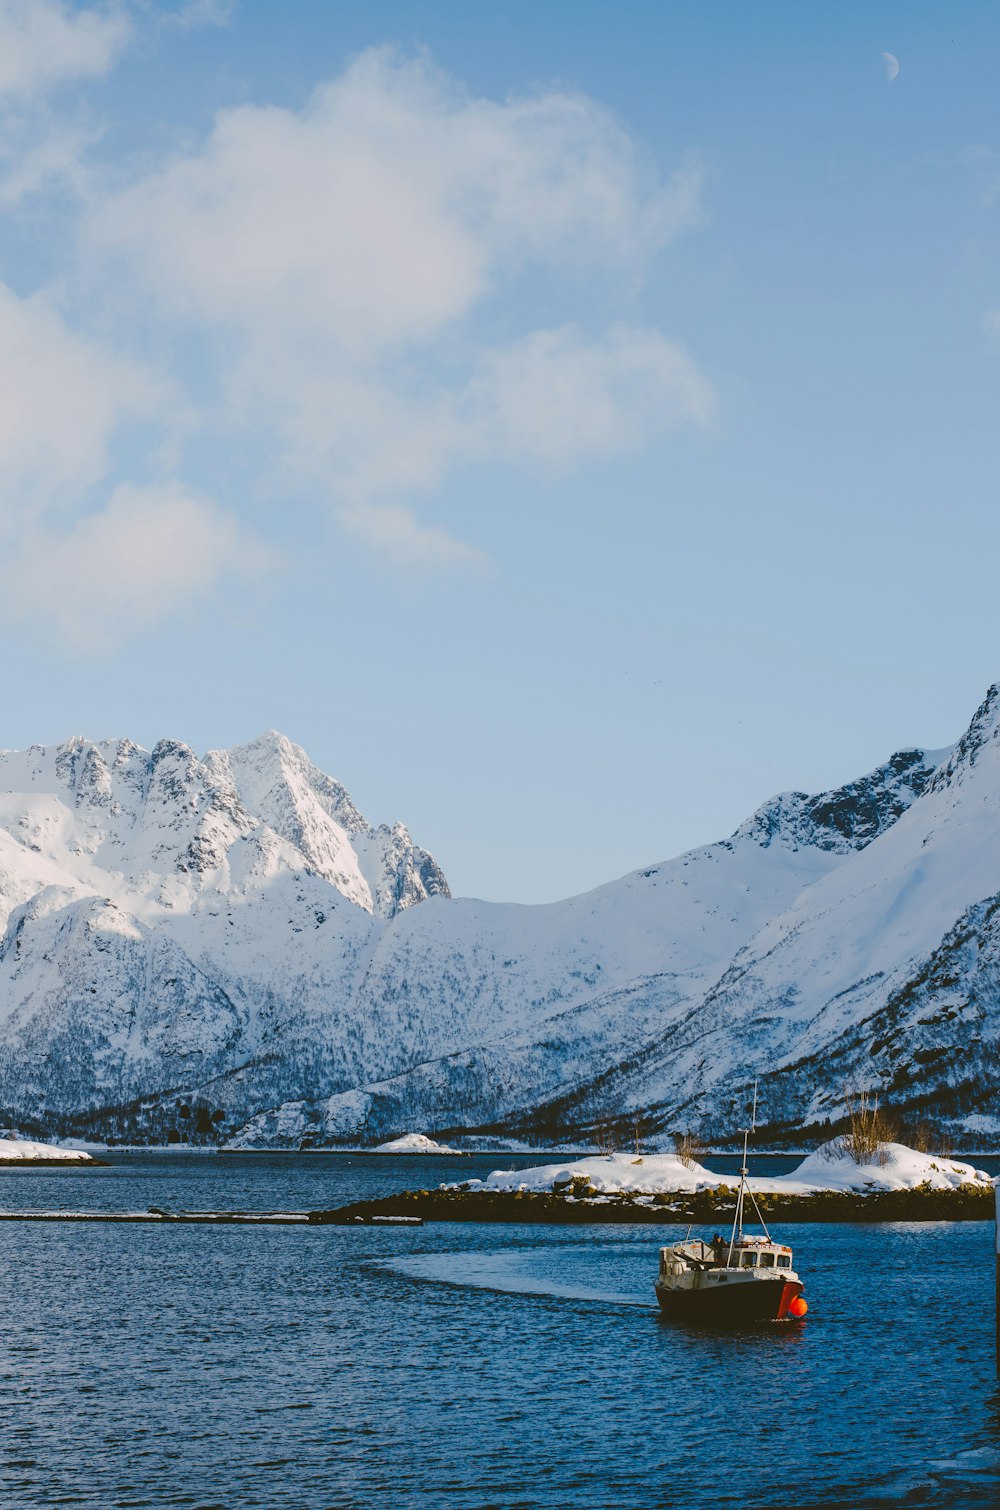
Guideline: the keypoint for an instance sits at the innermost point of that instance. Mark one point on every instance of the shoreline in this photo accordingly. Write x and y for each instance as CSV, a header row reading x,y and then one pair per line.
x,y
704,1208
89,1163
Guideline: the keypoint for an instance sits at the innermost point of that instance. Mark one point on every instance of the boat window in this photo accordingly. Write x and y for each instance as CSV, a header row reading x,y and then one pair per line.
x,y
784,1261
748,1260
767,1260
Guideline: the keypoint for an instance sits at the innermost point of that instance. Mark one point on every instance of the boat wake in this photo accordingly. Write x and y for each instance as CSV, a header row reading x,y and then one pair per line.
x,y
518,1273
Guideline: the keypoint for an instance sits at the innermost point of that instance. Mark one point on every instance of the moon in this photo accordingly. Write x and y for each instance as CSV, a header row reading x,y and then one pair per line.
x,y
891,65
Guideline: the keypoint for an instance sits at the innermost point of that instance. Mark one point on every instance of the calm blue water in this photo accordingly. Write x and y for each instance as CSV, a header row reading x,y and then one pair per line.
x,y
465,1367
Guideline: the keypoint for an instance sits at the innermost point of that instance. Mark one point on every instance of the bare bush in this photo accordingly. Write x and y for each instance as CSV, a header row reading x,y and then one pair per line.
x,y
927,1137
605,1138
689,1148
870,1128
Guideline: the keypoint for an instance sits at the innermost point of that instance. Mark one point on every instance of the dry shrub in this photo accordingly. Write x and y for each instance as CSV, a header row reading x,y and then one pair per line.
x,y
689,1148
870,1128
927,1137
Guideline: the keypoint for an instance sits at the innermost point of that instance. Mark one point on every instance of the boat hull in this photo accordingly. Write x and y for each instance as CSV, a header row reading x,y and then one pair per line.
x,y
731,1303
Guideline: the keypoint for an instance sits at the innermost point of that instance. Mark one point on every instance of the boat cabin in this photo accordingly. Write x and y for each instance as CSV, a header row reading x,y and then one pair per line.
x,y
748,1253
767,1256
752,1253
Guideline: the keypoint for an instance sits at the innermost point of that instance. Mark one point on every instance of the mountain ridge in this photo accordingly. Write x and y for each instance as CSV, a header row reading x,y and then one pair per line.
x,y
230,931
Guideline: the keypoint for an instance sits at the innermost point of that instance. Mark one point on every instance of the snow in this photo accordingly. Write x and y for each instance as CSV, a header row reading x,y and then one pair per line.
x,y
25,1151
828,1168
608,1174
414,1143
897,1168
983,1123
230,929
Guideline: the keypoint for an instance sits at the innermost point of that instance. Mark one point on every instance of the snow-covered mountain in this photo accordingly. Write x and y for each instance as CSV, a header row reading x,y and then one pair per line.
x,y
226,944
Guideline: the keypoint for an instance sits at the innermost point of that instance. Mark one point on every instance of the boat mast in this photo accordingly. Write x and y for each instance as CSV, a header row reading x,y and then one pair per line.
x,y
743,1190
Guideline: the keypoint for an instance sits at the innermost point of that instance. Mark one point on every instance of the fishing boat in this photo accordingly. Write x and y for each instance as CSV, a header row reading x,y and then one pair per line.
x,y
731,1280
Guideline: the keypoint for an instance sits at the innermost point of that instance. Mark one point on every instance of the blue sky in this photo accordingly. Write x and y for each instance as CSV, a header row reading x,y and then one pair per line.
x,y
572,423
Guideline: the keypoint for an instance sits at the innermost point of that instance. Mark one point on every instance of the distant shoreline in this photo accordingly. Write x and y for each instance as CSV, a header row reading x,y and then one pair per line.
x,y
561,1151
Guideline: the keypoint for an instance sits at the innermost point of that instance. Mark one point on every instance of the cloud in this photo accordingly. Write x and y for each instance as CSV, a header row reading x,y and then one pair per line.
x,y
558,397
552,399
55,160
387,208
44,43
355,291
62,397
93,578
151,554
197,13
346,265
393,532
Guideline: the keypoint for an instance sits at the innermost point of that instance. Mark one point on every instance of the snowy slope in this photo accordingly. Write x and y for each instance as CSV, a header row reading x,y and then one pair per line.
x,y
544,1005
885,972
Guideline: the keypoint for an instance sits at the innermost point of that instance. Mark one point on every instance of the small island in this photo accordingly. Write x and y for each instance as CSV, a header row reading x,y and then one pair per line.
x,y
17,1153
897,1184
416,1143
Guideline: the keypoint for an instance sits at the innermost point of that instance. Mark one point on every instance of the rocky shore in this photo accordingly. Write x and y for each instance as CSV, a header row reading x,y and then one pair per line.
x,y
966,1203
43,1163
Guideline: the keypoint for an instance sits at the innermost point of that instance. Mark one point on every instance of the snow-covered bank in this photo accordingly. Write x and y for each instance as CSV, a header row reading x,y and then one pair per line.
x,y
899,1168
26,1151
415,1143
828,1168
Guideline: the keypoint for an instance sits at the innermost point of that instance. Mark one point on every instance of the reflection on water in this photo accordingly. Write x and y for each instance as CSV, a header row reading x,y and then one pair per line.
x,y
457,1367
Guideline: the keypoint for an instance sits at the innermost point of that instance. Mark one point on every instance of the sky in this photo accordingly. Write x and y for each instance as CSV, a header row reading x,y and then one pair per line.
x,y
571,423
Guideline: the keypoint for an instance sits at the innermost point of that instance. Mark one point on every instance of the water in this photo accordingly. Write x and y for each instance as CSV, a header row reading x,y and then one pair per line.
x,y
457,1367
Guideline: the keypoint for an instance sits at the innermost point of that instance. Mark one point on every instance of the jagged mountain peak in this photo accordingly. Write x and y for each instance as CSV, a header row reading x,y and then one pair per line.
x,y
118,817
982,735
379,869
272,766
848,817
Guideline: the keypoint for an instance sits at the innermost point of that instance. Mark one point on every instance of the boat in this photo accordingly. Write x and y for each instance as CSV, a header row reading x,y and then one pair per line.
x,y
731,1280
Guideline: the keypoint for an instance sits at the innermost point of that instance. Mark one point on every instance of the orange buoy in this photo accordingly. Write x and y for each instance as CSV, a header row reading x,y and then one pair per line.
x,y
798,1307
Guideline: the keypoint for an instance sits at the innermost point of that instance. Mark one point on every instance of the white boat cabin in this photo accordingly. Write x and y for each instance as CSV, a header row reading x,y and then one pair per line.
x,y
757,1253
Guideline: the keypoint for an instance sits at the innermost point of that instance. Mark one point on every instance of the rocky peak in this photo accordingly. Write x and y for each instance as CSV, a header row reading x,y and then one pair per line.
x,y
982,734
848,817
377,868
399,873
272,772
170,813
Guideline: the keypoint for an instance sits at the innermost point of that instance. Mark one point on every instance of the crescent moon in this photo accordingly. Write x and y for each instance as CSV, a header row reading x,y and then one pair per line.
x,y
891,65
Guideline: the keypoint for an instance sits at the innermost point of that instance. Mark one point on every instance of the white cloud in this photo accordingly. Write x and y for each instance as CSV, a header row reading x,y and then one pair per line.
x,y
393,532
196,13
385,209
149,555
91,579
44,43
55,160
557,396
347,267
61,399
